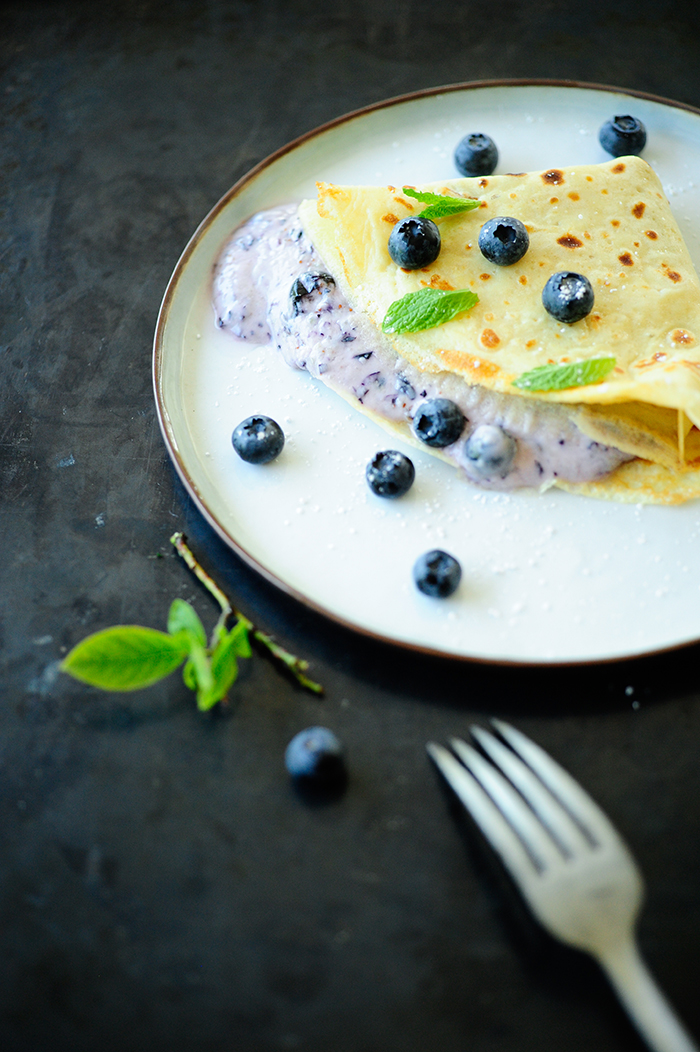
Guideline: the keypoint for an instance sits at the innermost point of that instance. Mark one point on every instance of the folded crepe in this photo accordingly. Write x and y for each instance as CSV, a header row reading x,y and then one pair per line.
x,y
610,222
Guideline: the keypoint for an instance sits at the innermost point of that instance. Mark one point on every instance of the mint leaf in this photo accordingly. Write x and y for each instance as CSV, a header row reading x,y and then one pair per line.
x,y
182,617
239,640
426,309
126,657
568,374
199,671
224,661
440,205
207,699
224,665
189,676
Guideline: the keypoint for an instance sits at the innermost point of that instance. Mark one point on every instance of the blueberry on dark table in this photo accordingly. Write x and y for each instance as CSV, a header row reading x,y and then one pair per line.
x,y
414,243
490,450
476,154
438,422
258,440
437,574
390,473
315,755
623,135
503,240
568,296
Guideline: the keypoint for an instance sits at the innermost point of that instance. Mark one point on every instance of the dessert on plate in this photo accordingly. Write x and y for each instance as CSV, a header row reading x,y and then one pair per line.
x,y
461,355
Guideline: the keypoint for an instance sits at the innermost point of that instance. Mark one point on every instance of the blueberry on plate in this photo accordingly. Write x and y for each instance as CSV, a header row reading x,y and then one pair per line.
x,y
258,439
503,240
490,450
437,574
623,135
390,474
414,243
476,154
568,296
315,755
438,422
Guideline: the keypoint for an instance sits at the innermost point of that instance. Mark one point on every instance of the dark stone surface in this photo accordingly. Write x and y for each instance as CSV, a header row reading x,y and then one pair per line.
x,y
161,885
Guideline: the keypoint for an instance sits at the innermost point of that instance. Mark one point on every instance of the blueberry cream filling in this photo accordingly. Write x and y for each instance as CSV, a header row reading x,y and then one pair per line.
x,y
270,284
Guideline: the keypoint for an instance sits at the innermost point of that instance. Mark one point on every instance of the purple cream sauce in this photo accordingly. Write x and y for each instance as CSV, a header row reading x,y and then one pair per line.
x,y
315,330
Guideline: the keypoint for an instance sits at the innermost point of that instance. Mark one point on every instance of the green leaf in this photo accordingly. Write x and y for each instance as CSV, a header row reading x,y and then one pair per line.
x,y
182,617
189,676
201,672
568,374
239,639
426,309
224,665
126,657
440,205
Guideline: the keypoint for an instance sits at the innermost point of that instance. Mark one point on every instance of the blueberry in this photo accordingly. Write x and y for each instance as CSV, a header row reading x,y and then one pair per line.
x,y
390,474
567,296
476,154
258,439
315,754
503,240
438,422
437,574
414,243
623,135
404,387
490,450
305,286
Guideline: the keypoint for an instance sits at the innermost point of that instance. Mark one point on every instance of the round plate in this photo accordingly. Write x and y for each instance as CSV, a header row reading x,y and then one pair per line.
x,y
547,578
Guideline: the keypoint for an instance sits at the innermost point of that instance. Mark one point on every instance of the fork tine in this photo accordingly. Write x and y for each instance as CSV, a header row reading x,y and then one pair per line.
x,y
484,812
556,818
565,788
523,821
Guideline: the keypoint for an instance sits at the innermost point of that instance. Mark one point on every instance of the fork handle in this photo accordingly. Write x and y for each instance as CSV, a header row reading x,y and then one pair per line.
x,y
646,1005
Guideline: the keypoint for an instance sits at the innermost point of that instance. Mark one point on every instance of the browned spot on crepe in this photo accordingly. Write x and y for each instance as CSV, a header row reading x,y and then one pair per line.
x,y
436,282
463,363
490,339
569,241
553,176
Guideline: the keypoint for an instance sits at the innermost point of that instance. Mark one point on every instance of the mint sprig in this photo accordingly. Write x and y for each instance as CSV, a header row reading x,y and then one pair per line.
x,y
130,657
426,309
569,374
440,205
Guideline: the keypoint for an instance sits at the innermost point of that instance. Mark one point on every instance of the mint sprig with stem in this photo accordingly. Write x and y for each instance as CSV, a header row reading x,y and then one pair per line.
x,y
130,657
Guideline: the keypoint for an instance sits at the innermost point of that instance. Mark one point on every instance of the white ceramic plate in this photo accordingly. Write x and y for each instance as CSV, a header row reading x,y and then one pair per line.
x,y
546,578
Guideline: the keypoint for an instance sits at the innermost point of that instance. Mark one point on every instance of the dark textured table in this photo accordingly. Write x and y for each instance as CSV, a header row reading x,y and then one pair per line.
x,y
162,886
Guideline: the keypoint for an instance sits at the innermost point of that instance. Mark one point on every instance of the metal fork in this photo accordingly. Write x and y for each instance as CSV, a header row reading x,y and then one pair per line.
x,y
572,867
